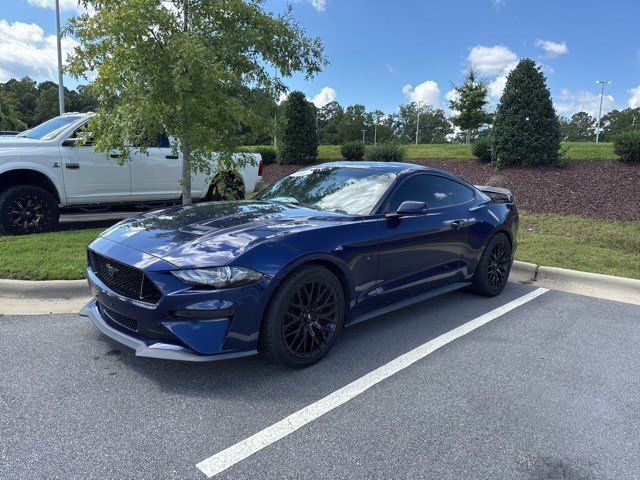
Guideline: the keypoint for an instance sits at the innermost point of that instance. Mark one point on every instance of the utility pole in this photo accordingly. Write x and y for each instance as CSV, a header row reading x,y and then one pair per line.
x,y
602,83
419,105
59,40
375,133
363,132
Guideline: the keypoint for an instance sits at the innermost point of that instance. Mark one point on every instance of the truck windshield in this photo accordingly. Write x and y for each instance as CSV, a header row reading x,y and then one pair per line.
x,y
51,128
336,189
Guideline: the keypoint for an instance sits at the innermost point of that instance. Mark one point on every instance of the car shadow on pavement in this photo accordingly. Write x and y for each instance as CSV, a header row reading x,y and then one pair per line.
x,y
362,348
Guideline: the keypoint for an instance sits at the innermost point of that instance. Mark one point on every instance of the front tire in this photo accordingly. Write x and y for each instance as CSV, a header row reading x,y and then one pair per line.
x,y
26,209
493,268
304,317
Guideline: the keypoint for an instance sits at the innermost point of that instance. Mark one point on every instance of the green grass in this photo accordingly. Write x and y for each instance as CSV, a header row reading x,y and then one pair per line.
x,y
46,256
578,243
574,151
573,242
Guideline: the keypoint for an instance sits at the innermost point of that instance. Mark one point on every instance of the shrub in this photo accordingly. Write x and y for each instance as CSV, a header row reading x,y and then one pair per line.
x,y
627,146
299,135
526,130
352,150
483,149
385,152
269,154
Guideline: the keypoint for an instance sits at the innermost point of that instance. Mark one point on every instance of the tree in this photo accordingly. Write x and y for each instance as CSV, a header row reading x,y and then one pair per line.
x,y
299,136
469,104
619,121
25,93
329,117
355,119
434,126
189,68
384,126
47,103
581,128
9,117
526,130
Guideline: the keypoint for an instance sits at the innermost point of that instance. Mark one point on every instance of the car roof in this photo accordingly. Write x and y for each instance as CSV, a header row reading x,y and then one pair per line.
x,y
398,168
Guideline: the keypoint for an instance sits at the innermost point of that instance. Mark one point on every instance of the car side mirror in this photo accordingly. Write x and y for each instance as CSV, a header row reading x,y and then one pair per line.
x,y
409,207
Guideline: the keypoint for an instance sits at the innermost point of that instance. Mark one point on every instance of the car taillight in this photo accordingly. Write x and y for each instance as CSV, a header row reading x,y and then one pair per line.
x,y
260,167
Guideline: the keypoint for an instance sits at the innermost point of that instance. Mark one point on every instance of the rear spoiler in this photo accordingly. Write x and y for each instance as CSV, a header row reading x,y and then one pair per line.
x,y
496,191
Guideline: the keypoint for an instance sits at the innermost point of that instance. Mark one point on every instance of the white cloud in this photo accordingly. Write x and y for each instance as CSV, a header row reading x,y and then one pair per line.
x,y
391,70
490,60
26,50
570,102
427,92
64,4
634,100
553,49
324,96
498,4
320,5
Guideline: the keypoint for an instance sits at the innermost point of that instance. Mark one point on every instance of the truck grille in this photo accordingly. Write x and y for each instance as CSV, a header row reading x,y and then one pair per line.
x,y
112,317
124,279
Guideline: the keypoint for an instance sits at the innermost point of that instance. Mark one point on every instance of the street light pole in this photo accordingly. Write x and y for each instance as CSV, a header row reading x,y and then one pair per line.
x,y
603,83
363,132
418,126
375,133
59,41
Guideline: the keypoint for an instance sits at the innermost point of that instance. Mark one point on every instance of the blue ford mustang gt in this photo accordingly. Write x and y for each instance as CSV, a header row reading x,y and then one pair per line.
x,y
325,247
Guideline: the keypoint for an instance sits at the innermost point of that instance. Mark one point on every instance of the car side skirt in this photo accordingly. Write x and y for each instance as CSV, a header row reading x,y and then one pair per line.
x,y
407,302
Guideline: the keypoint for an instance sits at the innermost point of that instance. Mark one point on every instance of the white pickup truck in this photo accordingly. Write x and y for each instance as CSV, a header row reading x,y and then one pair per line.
x,y
44,170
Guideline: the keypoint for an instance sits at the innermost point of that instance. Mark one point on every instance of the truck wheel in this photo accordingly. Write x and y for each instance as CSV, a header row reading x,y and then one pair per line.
x,y
27,209
226,186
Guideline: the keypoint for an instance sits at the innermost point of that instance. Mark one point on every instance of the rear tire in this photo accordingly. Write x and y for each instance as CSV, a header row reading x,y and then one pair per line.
x,y
304,317
26,209
493,268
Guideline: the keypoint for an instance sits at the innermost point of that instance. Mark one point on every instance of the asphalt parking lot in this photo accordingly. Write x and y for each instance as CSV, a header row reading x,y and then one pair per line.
x,y
547,390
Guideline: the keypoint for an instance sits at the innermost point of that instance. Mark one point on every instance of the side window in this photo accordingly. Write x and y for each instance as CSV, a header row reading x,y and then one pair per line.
x,y
436,192
80,134
163,141
463,194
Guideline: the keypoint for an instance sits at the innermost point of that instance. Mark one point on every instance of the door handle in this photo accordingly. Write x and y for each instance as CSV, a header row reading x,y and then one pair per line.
x,y
457,224
171,157
72,166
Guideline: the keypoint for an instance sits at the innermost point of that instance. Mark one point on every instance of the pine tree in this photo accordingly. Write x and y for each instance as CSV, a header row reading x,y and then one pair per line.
x,y
526,130
469,104
299,135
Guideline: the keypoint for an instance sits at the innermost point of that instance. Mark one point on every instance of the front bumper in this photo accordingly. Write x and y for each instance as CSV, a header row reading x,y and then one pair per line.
x,y
161,350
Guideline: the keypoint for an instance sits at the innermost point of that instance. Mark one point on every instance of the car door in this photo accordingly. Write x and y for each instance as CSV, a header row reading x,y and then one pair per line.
x,y
422,251
155,175
90,176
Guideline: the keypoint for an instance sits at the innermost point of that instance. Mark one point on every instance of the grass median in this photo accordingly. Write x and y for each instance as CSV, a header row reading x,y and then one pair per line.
x,y
590,245
573,151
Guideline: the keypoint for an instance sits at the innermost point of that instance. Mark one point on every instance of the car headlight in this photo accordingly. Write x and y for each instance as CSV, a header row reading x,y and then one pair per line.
x,y
219,277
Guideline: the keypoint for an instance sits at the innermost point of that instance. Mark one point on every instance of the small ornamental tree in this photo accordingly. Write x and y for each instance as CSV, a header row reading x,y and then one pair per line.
x,y
299,136
526,130
199,70
469,104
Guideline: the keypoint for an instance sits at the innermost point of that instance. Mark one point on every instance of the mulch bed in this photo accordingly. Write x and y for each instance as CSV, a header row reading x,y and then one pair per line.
x,y
599,188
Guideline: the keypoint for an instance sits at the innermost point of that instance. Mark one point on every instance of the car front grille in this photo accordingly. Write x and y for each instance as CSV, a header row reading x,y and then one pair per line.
x,y
113,317
124,279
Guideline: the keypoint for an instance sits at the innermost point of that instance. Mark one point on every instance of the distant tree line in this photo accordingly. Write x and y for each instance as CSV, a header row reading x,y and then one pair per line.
x,y
581,127
26,103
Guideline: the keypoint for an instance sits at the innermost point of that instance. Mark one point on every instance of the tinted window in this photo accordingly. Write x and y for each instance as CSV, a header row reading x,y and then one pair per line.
x,y
51,128
436,192
162,141
463,194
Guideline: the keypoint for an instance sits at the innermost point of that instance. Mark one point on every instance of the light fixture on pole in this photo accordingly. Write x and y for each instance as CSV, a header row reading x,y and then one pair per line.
x,y
59,41
603,83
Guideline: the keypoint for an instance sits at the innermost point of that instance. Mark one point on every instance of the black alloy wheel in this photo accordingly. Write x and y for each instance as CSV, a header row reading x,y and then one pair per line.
x,y
26,209
493,268
304,317
499,265
311,318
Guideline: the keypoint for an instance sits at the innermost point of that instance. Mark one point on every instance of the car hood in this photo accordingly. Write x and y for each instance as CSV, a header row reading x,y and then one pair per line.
x,y
213,234
18,142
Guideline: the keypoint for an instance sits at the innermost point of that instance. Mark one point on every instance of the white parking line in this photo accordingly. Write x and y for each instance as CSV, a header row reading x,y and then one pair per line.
x,y
243,449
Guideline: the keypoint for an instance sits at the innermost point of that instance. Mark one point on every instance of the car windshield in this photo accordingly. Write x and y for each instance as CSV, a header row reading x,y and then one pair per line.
x,y
352,190
51,128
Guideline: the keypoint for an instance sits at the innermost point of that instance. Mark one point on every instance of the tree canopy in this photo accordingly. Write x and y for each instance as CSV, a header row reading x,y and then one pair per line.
x,y
469,104
198,70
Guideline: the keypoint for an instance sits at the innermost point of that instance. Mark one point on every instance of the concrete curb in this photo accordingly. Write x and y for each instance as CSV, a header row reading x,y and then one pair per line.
x,y
22,297
48,289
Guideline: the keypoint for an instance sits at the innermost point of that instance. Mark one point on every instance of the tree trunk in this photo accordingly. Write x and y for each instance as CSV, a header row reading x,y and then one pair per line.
x,y
186,174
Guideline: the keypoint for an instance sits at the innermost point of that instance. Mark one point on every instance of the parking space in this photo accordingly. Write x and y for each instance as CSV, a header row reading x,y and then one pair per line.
x,y
547,390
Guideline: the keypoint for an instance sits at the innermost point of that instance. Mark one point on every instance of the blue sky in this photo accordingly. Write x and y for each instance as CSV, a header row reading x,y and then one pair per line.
x,y
384,53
